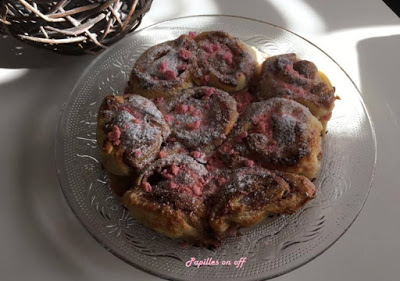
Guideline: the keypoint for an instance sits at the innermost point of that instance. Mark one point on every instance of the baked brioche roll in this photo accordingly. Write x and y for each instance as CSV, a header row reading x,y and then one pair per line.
x,y
289,77
164,69
249,195
278,134
224,62
169,199
200,118
130,131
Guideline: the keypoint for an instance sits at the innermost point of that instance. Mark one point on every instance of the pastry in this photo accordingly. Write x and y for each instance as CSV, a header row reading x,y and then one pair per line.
x,y
278,134
164,69
248,195
201,118
224,62
130,131
169,199
289,77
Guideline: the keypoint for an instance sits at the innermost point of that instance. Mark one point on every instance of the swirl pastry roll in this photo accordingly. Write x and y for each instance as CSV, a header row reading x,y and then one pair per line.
x,y
169,199
224,62
249,195
130,131
289,77
164,69
201,118
277,134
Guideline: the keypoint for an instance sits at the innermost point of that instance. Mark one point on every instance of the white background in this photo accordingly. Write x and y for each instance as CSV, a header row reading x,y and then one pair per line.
x,y
40,239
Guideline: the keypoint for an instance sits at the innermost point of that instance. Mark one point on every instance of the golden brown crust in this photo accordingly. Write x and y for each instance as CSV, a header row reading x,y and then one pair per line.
x,y
249,195
169,199
278,134
130,131
289,77
120,184
224,62
164,69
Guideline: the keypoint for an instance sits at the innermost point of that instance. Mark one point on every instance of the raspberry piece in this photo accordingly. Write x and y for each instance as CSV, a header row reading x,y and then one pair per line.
x,y
174,169
241,136
168,118
209,91
197,190
196,154
137,153
184,54
221,181
216,47
228,57
182,108
248,163
193,125
170,75
173,185
181,66
163,66
208,48
114,135
196,113
147,187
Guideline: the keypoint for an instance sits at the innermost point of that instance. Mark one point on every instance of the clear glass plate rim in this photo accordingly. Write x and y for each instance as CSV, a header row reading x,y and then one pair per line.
x,y
59,141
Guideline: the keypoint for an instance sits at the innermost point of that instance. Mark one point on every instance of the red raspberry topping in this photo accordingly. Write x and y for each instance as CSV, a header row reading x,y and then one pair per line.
x,y
228,57
168,118
221,181
196,154
181,66
114,135
174,169
173,185
209,91
182,108
241,136
147,187
170,74
184,54
208,48
193,125
163,66
137,153
248,163
197,190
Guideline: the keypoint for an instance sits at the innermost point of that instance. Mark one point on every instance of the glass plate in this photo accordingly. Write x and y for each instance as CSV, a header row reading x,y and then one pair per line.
x,y
276,246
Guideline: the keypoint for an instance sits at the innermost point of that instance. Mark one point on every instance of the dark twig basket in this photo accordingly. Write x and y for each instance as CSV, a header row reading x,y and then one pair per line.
x,y
72,27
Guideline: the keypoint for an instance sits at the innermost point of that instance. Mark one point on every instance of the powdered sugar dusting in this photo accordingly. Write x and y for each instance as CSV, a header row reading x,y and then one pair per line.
x,y
196,123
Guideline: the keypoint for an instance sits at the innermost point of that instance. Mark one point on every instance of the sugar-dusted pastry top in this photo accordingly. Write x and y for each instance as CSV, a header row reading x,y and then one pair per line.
x,y
278,134
209,139
130,131
290,77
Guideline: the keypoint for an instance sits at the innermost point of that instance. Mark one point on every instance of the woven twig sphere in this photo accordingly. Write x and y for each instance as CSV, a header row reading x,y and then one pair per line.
x,y
72,27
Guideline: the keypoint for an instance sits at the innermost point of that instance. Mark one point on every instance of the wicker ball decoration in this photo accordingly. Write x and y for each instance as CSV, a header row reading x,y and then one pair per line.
x,y
73,27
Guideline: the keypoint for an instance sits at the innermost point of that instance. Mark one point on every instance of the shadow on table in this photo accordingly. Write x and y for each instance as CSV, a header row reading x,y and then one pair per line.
x,y
16,54
51,229
378,61
353,16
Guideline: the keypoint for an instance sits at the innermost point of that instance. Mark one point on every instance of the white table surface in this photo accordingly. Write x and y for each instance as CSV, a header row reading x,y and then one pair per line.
x,y
40,238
